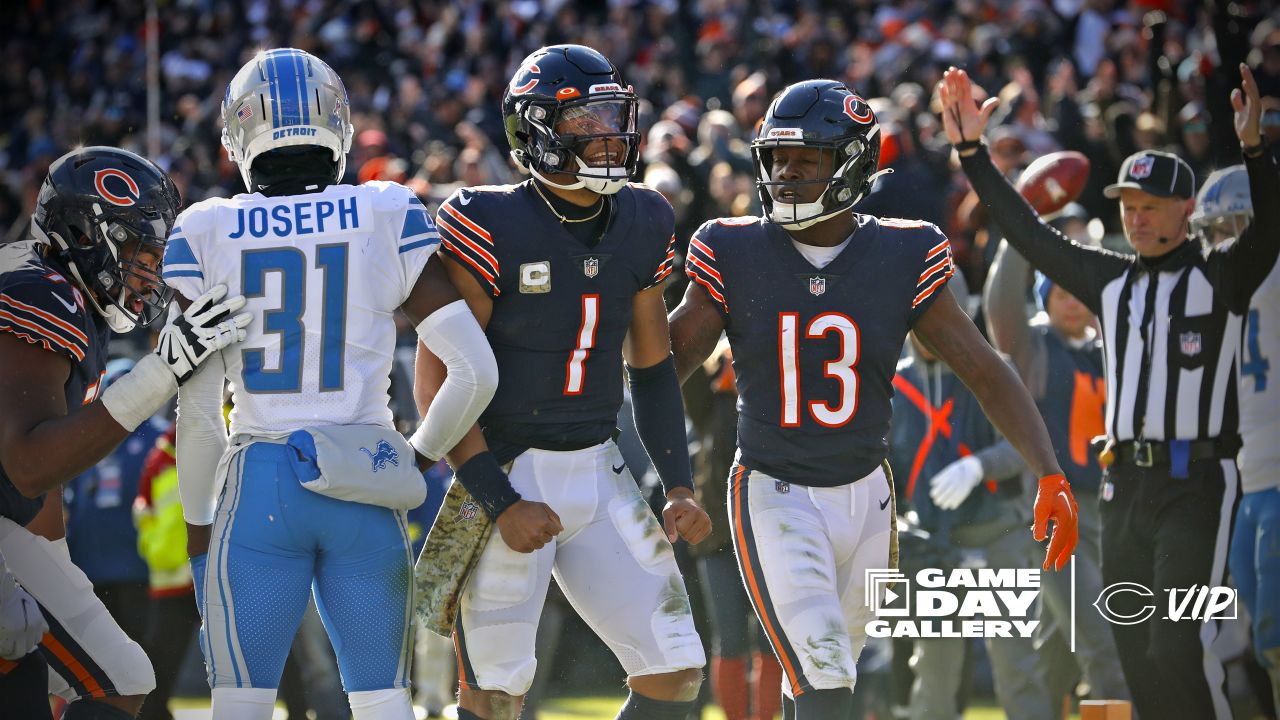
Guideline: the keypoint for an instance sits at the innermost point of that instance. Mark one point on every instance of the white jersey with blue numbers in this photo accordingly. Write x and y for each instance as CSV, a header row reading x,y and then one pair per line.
x,y
323,273
1260,389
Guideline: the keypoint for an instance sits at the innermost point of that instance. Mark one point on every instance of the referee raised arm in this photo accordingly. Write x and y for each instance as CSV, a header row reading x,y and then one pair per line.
x,y
1171,328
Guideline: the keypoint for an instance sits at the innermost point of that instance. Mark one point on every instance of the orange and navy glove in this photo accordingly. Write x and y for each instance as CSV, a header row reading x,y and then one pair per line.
x,y
1055,502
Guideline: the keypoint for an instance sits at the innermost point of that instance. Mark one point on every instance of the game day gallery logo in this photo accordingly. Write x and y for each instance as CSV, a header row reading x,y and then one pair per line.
x,y
1002,603
983,602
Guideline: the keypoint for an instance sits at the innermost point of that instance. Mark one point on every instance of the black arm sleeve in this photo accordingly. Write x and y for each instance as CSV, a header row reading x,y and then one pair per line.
x,y
1083,271
1246,262
659,415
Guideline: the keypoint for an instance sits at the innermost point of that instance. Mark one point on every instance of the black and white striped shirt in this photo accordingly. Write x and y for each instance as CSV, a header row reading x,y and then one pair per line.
x,y
1180,315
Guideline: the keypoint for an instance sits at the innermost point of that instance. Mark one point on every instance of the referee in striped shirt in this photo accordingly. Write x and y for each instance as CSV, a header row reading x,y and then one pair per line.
x,y
1171,326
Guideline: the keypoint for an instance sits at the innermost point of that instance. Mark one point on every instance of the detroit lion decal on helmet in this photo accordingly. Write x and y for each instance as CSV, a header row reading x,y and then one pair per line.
x,y
302,102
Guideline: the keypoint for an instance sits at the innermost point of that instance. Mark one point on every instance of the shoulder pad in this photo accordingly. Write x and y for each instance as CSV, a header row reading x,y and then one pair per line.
x,y
41,306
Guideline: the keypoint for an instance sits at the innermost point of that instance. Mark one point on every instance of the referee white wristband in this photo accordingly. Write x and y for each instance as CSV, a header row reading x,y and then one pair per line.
x,y
141,392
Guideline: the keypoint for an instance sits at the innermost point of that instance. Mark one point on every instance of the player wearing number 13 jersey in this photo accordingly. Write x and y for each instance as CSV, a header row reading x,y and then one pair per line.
x,y
817,301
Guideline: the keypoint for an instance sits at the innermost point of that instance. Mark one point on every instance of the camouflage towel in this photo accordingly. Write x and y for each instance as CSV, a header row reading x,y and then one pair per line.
x,y
451,552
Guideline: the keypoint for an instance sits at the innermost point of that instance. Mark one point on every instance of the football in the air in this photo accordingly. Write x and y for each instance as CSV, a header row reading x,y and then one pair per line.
x,y
1052,181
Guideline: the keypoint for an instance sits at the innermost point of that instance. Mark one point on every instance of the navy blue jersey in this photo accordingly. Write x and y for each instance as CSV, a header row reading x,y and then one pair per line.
x,y
815,350
560,309
40,305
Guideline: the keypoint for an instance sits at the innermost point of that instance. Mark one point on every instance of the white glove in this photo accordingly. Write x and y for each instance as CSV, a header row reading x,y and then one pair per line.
x,y
953,483
205,328
21,622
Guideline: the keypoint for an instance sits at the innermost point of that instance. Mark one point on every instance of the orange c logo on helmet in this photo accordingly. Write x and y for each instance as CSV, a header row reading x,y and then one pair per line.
x,y
100,183
865,118
532,68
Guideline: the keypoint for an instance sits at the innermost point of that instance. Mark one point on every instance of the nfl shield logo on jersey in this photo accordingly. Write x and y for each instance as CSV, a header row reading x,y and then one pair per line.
x,y
1190,343
817,285
591,267
468,510
1141,167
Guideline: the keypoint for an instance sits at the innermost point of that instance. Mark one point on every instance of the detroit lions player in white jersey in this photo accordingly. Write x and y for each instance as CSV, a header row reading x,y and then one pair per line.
x,y
314,486
1223,210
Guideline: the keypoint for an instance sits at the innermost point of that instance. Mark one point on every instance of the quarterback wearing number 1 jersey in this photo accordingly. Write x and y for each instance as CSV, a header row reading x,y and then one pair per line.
x,y
816,302
566,268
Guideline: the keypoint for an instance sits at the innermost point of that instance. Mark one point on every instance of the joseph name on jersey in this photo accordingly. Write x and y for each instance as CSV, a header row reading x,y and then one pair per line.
x,y
815,350
561,309
325,272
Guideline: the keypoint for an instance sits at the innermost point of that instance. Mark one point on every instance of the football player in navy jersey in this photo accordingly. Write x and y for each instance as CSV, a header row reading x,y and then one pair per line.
x,y
565,271
817,301
90,268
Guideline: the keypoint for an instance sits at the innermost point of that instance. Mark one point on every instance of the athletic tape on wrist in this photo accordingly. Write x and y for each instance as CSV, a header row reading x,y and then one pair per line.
x,y
140,393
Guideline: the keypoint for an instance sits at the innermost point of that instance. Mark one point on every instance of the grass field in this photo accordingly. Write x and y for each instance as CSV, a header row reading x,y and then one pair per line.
x,y
582,708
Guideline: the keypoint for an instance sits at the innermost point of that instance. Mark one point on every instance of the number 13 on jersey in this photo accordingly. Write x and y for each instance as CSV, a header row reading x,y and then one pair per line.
x,y
841,369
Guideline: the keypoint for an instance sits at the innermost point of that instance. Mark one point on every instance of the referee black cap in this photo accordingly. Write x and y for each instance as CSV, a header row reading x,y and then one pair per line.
x,y
1158,173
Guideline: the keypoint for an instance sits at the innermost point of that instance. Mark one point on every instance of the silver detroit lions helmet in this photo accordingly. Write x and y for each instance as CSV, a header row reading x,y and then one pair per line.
x,y
285,98
1223,207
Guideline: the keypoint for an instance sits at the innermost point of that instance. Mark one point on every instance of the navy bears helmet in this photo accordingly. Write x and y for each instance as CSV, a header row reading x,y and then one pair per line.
x,y
563,102
100,208
822,114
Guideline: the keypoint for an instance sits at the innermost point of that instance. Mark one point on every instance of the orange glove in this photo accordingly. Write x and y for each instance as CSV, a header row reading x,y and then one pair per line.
x,y
1055,502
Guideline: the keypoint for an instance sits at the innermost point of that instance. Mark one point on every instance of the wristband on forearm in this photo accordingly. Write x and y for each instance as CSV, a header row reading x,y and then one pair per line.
x,y
967,145
483,477
1253,151
659,415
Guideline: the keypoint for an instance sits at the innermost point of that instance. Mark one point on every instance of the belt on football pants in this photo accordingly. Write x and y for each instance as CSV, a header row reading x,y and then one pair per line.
x,y
1152,453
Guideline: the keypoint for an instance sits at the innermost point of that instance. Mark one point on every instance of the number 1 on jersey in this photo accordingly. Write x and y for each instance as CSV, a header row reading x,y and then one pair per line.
x,y
575,370
841,369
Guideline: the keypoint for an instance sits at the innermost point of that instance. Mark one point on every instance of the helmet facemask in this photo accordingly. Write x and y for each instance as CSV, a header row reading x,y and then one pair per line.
x,y
593,140
104,252
847,157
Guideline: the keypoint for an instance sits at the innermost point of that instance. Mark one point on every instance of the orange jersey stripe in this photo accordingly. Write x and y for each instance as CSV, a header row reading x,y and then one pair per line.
x,y
453,232
63,324
467,221
43,334
462,256
703,247
693,261
752,585
83,675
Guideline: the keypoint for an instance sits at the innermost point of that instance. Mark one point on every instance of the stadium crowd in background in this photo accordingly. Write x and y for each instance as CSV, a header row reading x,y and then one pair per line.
x,y
425,79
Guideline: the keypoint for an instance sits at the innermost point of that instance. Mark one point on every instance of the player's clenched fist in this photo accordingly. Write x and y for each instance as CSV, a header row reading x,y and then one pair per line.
x,y
684,518
528,525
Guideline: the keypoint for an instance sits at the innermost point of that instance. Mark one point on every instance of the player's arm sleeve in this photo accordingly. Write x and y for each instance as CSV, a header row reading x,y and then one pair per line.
x,y
701,267
1005,302
453,335
658,409
1083,271
45,314
201,440
464,239
182,269
1245,263
418,241
936,269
